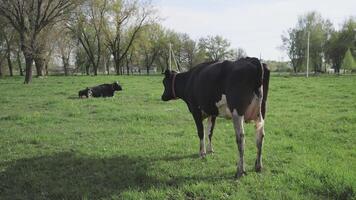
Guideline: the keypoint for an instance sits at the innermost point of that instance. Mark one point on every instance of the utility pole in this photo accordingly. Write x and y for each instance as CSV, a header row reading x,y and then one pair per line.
x,y
355,39
170,54
308,55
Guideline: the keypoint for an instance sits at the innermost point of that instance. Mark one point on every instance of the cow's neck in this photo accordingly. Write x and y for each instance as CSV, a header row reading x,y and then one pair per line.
x,y
180,83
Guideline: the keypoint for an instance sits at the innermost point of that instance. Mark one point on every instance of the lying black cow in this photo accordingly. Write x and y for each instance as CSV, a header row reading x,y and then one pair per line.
x,y
230,89
103,90
106,90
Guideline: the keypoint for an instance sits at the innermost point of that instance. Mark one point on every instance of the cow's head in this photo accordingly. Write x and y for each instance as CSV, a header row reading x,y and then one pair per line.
x,y
116,86
168,85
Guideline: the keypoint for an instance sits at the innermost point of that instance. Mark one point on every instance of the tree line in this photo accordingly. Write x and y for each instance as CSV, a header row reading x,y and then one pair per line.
x,y
327,46
98,35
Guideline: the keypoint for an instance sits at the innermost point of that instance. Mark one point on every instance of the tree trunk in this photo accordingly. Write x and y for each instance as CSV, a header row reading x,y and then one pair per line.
x,y
39,66
95,70
0,68
107,65
19,63
28,77
337,69
87,69
9,63
117,66
8,54
127,62
127,68
46,67
65,65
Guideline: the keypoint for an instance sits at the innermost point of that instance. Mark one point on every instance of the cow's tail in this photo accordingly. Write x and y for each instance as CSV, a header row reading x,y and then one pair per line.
x,y
260,73
265,83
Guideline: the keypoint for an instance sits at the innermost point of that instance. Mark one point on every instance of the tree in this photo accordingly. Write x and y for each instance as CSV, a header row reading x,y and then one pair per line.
x,y
9,37
7,40
2,52
241,53
189,52
82,62
19,60
88,26
125,21
170,39
339,42
65,45
31,18
44,49
348,61
216,48
295,41
149,45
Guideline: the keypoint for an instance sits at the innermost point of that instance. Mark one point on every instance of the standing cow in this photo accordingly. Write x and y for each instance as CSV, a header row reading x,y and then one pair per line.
x,y
235,90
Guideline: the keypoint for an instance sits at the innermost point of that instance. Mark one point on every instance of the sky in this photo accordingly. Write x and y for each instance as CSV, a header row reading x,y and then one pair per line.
x,y
254,25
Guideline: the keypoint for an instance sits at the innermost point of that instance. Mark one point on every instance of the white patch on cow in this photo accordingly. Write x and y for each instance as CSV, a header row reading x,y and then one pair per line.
x,y
224,110
202,148
254,109
208,133
238,122
259,142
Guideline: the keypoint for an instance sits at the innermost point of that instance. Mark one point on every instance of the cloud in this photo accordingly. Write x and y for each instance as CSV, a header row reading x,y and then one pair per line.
x,y
256,26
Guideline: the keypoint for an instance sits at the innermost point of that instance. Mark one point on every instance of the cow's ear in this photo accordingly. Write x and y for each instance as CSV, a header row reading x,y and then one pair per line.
x,y
167,73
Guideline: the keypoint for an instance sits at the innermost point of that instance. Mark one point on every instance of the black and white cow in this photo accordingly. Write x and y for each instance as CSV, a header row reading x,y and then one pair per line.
x,y
235,90
105,90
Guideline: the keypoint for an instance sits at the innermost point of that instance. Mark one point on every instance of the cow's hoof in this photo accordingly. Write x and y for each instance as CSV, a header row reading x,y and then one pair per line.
x,y
258,167
202,155
211,150
240,174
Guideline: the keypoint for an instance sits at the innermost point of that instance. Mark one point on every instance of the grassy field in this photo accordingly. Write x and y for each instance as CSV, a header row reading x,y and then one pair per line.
x,y
134,146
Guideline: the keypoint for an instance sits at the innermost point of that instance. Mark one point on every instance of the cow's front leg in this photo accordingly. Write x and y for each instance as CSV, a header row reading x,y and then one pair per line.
x,y
260,133
240,140
200,128
209,131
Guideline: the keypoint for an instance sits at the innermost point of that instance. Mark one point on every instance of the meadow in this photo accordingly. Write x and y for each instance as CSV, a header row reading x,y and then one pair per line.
x,y
54,145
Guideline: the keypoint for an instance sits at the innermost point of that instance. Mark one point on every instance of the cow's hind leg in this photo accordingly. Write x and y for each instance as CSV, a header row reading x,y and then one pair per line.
x,y
260,133
209,131
240,140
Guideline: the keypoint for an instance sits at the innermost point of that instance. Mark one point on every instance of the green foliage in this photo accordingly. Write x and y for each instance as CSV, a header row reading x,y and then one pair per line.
x,y
339,42
348,61
134,146
277,66
216,48
295,41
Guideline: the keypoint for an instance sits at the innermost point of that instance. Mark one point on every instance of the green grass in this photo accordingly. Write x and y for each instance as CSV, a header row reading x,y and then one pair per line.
x,y
133,146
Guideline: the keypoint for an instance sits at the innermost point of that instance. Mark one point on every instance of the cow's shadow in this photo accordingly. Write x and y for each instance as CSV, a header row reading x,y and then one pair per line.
x,y
71,175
